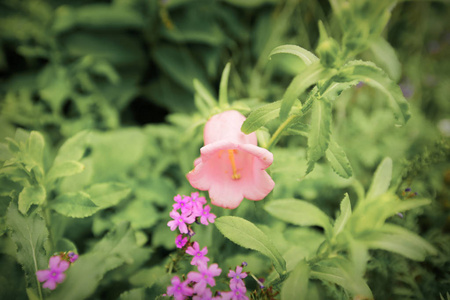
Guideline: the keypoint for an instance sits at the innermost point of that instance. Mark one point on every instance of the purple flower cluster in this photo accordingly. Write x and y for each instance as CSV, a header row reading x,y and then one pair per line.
x,y
191,209
187,210
57,264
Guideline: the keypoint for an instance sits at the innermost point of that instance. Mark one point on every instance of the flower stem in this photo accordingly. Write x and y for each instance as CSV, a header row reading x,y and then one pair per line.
x,y
277,134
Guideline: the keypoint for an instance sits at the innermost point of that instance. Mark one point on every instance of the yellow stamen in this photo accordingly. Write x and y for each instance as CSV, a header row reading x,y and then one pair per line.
x,y
236,175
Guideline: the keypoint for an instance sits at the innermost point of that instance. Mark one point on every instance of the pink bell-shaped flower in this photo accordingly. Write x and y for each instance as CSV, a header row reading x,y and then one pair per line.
x,y
231,166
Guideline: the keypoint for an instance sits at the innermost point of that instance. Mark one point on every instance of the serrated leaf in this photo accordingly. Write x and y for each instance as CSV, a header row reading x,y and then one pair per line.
x,y
319,131
63,169
75,205
296,285
386,57
399,240
247,235
381,179
260,116
223,89
309,76
31,195
107,194
298,212
338,160
29,233
346,212
306,56
377,78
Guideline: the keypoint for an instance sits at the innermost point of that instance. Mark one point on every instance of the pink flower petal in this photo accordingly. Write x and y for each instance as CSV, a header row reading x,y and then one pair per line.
x,y
43,275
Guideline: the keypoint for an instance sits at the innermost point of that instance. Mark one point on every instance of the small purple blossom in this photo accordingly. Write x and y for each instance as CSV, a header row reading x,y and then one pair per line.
x,y
180,241
179,290
183,203
179,221
204,276
206,216
72,256
199,256
237,276
54,274
197,202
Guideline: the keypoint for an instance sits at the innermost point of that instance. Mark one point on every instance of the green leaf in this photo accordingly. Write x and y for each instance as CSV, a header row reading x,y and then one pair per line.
x,y
204,94
306,56
346,212
29,233
63,169
298,212
31,195
73,149
296,285
247,235
223,89
338,160
75,205
385,56
381,179
84,276
342,272
35,148
319,131
107,194
375,77
309,76
399,240
260,116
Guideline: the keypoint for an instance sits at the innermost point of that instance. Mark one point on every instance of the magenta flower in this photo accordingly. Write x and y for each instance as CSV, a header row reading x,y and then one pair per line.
x,y
72,256
231,166
179,290
197,202
182,203
203,277
199,256
54,274
179,221
206,295
237,276
206,216
180,241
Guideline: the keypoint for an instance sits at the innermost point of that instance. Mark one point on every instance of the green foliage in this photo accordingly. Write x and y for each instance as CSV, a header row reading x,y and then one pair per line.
x,y
102,107
247,235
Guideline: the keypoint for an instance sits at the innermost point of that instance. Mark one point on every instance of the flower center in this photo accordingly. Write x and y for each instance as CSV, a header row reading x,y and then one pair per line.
x,y
235,175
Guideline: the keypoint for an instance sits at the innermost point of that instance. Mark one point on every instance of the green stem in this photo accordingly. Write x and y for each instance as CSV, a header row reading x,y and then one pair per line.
x,y
277,134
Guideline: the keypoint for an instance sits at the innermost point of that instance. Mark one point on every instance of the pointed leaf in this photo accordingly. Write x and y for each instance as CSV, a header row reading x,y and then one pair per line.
x,y
223,89
296,285
73,148
261,116
341,272
306,56
63,169
204,94
346,212
377,78
247,235
320,130
399,240
309,76
386,57
381,179
298,212
338,160
31,195
29,233
107,194
35,148
75,205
